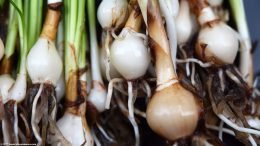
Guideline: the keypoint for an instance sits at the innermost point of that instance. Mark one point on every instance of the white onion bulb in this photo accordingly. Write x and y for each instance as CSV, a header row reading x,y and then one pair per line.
x,y
130,55
217,42
2,49
185,23
112,13
6,82
97,96
44,64
18,90
215,3
72,129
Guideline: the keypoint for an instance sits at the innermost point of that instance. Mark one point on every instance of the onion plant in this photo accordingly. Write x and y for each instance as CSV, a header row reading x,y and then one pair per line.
x,y
97,96
75,60
7,62
167,108
157,98
17,92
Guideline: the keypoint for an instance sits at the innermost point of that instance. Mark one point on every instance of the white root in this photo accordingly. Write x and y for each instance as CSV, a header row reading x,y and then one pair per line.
x,y
131,113
21,136
205,65
97,142
147,88
54,111
222,84
232,77
16,128
140,113
6,134
238,128
230,132
104,133
225,130
110,91
252,141
220,132
25,123
34,125
256,81
132,120
187,63
107,61
130,99
114,35
193,74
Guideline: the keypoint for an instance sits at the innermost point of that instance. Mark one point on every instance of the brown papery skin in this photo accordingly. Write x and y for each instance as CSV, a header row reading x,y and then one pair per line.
x,y
6,65
198,5
51,24
135,19
71,88
173,111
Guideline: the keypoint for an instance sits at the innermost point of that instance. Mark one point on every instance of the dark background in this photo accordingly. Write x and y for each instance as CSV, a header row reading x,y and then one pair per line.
x,y
253,17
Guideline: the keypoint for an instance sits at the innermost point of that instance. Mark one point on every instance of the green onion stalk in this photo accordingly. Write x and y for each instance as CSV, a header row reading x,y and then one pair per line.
x,y
35,21
17,91
98,93
246,62
7,62
75,64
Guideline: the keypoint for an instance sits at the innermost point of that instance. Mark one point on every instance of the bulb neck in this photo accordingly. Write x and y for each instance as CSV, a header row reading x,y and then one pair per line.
x,y
159,44
51,23
135,19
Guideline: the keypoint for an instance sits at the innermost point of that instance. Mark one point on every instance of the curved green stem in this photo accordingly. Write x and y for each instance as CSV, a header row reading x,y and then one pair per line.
x,y
12,32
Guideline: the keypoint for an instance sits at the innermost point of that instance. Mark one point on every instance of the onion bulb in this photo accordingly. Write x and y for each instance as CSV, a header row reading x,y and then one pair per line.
x,y
130,55
96,96
79,136
40,62
18,90
112,13
173,112
217,43
43,63
2,49
6,82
